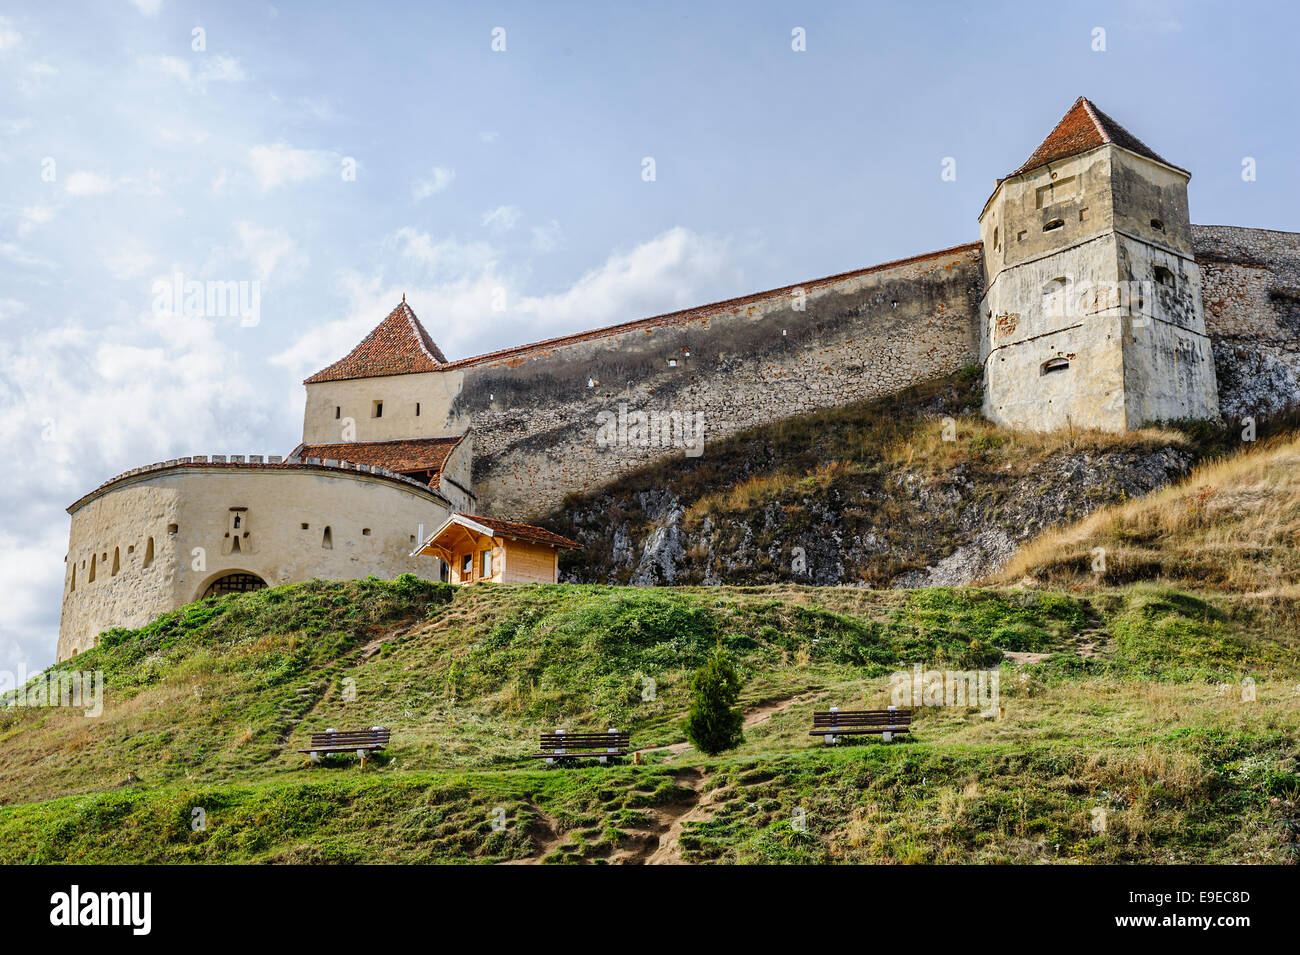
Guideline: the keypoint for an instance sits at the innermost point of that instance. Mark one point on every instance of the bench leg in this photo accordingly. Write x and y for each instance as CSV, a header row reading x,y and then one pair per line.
x,y
315,757
886,736
831,739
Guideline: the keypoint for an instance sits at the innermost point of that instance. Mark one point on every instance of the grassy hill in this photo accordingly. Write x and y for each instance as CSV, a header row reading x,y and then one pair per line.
x,y
1233,526
1124,701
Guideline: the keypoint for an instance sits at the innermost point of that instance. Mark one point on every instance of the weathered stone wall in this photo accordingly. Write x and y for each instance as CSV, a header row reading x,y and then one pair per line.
x,y
534,412
1251,291
373,517
1078,329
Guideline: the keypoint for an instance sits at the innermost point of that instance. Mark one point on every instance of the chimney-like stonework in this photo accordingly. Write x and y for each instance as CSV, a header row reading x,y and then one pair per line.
x,y
1092,312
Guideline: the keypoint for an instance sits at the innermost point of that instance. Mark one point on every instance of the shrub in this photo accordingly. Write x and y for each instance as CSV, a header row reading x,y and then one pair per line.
x,y
714,722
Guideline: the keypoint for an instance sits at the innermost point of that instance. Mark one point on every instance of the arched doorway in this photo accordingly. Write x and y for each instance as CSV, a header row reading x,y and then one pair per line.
x,y
233,583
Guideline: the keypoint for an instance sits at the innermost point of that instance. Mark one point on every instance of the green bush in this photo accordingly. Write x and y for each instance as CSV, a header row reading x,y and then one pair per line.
x,y
714,722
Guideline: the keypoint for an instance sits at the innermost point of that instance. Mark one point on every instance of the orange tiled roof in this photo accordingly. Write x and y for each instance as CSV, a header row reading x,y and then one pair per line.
x,y
417,454
399,345
1082,128
528,532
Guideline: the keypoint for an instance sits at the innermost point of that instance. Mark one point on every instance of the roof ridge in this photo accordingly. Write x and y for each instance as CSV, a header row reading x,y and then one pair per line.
x,y
707,307
398,345
1092,114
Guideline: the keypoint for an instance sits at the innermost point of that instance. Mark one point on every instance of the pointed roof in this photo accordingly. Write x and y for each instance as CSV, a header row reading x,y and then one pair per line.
x,y
399,345
1082,128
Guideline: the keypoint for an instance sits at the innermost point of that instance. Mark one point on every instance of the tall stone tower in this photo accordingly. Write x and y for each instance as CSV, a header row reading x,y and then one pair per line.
x,y
1092,312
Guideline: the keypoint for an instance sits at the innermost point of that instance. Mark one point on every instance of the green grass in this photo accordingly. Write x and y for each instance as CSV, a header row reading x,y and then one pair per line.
x,y
1136,707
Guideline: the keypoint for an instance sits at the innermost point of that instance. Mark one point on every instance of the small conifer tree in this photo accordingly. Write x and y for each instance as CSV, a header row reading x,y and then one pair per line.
x,y
714,722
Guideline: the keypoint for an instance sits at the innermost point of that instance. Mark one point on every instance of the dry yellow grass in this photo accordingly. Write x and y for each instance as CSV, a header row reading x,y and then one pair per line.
x,y
1234,524
940,444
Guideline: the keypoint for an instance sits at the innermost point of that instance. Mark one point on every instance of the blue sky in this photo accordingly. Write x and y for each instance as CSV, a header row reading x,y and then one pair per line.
x,y
512,177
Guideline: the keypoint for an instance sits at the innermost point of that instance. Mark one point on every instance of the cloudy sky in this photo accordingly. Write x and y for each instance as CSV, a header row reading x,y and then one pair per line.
x,y
334,156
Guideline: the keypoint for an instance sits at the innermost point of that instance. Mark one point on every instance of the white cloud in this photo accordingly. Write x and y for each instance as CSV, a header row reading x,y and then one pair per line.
x,y
438,180
82,183
32,217
269,251
149,8
10,38
502,218
454,291
128,261
277,164
546,237
196,71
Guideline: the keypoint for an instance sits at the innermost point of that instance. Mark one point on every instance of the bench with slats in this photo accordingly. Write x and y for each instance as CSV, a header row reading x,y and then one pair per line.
x,y
361,742
562,747
834,723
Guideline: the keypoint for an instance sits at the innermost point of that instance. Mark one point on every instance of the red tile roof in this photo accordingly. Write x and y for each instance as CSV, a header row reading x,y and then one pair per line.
x,y
527,532
399,345
404,457
1082,128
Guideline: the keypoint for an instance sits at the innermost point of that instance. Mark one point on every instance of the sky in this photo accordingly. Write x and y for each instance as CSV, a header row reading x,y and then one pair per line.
x,y
518,171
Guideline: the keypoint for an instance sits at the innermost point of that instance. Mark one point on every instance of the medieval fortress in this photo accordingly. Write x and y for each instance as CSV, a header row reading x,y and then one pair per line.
x,y
1090,300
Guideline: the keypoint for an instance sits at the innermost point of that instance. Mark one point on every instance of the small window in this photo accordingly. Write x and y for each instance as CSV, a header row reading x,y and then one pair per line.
x,y
306,527
417,409
1164,276
365,532
995,237
1053,365
1020,236
1054,225
467,567
90,579
376,409
1157,225
487,563
338,412
327,539
672,362
117,562
1083,215
173,529
148,553
73,586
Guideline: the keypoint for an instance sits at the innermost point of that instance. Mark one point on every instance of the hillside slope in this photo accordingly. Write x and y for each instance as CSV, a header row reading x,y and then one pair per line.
x,y
1106,702
1233,525
880,494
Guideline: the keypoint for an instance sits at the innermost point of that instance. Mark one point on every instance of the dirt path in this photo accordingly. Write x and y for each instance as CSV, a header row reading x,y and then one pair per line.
x,y
546,839
696,809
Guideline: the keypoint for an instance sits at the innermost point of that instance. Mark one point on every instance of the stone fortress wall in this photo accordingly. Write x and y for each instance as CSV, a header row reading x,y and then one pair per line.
x,y
1251,291
536,413
533,410
132,548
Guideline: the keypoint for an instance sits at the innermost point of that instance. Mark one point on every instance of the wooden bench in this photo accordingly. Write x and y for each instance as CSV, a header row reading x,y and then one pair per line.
x,y
563,747
834,723
361,742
